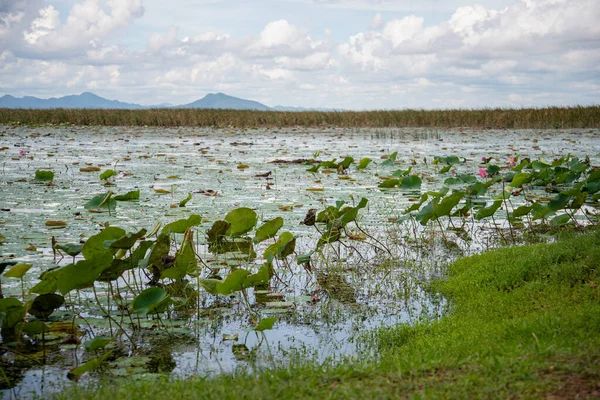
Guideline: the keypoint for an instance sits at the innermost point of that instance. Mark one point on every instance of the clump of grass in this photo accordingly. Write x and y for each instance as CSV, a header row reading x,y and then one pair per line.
x,y
523,322
509,118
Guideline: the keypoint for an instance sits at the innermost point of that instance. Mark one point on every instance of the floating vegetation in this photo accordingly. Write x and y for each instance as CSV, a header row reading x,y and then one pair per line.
x,y
124,282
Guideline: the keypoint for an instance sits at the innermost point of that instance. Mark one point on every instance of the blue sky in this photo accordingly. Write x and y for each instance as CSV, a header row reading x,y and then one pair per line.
x,y
354,54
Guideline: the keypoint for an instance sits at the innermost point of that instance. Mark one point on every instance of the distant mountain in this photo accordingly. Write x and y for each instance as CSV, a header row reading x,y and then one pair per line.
x,y
161,105
90,100
221,100
84,100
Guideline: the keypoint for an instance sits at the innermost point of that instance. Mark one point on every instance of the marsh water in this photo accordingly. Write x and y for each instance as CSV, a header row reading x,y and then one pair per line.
x,y
322,313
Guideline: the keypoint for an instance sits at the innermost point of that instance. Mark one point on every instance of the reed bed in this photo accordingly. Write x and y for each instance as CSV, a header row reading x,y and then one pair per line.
x,y
510,118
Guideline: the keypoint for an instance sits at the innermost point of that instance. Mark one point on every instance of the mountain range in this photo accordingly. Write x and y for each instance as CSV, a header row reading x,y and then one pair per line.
x,y
90,100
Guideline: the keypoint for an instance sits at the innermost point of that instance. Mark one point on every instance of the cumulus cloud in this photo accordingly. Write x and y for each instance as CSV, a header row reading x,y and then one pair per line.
x,y
522,52
16,15
477,43
282,38
45,24
87,23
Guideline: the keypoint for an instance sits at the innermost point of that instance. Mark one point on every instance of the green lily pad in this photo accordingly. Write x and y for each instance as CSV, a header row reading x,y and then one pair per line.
x,y
129,196
107,174
182,225
42,175
147,300
242,220
268,230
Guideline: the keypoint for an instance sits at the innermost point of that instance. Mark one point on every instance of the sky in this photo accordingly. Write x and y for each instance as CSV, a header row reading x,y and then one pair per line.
x,y
350,54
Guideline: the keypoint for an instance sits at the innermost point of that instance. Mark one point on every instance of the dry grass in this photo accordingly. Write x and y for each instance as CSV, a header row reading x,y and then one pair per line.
x,y
549,117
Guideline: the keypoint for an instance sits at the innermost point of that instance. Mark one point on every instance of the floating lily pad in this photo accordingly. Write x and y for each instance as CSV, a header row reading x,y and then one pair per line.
x,y
43,175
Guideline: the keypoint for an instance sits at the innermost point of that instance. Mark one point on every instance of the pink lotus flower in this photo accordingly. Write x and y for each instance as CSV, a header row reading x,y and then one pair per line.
x,y
483,173
484,160
511,161
22,152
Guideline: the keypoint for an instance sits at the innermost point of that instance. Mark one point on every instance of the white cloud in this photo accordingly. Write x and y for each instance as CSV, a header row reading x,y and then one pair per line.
x,y
15,16
47,22
158,41
499,46
403,30
209,36
530,52
377,22
278,74
87,23
282,38
400,5
315,61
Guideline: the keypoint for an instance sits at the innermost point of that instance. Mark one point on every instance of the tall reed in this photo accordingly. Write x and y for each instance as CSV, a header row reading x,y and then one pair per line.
x,y
510,118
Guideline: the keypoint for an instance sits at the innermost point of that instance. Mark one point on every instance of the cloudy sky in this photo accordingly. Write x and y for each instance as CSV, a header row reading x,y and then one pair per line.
x,y
354,54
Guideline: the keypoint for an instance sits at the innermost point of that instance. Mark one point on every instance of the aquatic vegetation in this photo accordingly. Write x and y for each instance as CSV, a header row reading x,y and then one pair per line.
x,y
240,265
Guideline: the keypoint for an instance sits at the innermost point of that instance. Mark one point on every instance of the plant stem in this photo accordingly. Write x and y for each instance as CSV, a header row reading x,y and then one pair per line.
x,y
512,235
111,318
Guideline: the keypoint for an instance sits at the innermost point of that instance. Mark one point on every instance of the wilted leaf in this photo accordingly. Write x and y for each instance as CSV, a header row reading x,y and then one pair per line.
x,y
56,224
89,169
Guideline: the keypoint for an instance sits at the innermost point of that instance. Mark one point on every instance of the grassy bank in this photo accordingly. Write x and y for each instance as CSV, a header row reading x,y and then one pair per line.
x,y
550,117
524,322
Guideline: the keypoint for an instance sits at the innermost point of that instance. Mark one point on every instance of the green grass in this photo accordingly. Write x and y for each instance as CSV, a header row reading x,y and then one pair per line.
x,y
511,118
524,322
